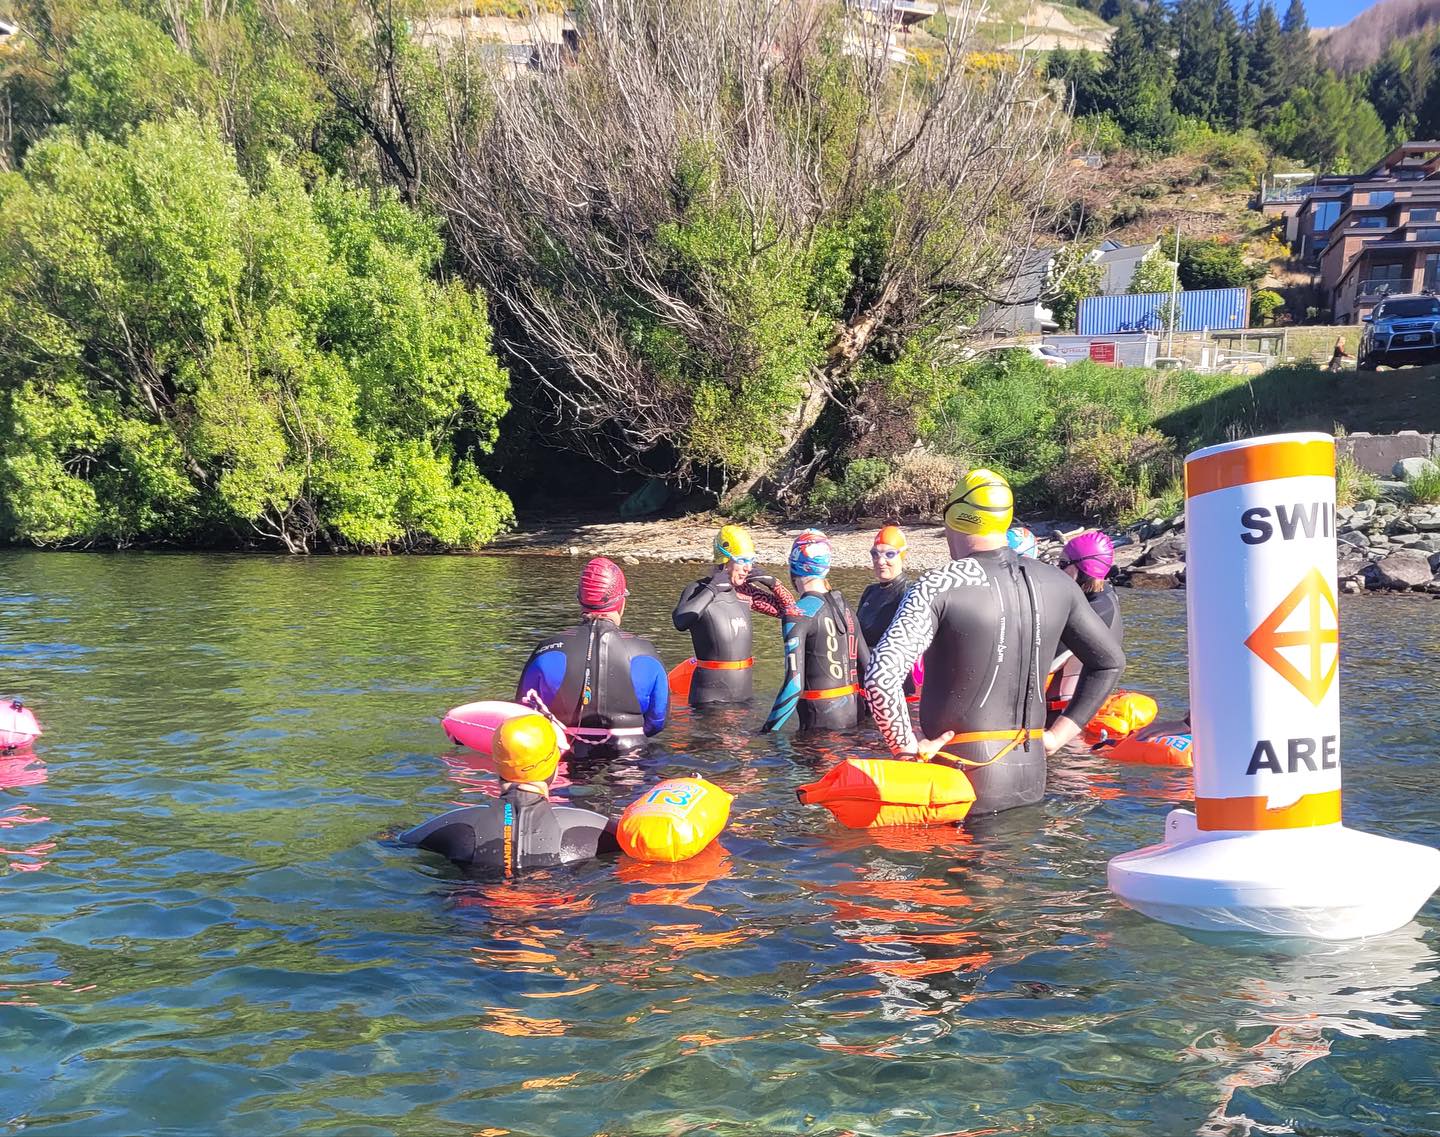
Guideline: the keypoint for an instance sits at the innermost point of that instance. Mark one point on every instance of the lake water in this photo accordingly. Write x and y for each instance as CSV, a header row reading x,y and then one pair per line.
x,y
205,927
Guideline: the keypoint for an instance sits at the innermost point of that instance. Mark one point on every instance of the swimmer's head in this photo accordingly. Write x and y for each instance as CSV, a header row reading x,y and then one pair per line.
x,y
525,749
810,556
887,553
1022,541
733,543
1088,557
602,588
980,505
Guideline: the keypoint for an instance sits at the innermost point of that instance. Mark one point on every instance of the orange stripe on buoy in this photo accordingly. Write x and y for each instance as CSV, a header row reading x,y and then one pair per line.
x,y
1263,463
1252,813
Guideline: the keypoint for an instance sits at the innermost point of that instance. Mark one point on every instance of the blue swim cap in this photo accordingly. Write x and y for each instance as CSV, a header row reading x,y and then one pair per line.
x,y
810,555
1022,541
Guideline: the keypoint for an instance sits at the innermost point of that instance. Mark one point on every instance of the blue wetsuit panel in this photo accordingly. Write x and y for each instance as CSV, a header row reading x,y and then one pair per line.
x,y
652,688
543,675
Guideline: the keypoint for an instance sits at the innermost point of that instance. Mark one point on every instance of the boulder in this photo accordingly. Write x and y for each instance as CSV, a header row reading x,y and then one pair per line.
x,y
1404,569
1408,468
1426,522
1354,538
1351,585
1127,555
1159,576
1393,492
1350,562
1408,540
1170,547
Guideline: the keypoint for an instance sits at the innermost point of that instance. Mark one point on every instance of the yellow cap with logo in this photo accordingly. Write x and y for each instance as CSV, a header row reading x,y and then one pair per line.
x,y
981,503
733,542
525,749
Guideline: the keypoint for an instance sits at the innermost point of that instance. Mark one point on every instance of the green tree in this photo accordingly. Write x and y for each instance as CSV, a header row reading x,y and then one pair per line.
x,y
185,357
1331,127
1074,275
1265,305
1236,101
1267,63
1298,52
1200,44
1155,273
1135,86
1215,264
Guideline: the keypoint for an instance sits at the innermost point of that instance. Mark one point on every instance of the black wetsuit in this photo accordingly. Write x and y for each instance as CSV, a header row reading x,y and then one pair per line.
x,y
825,656
517,830
985,623
878,605
1107,607
718,620
606,686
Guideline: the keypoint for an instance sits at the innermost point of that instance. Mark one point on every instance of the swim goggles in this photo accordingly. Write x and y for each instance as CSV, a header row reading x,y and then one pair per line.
x,y
888,554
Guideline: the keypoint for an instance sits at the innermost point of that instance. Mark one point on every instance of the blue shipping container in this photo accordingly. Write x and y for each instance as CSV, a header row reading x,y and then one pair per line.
x,y
1216,309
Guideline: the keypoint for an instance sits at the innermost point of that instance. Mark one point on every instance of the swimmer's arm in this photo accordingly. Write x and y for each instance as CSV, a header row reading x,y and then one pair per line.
x,y
1101,660
904,642
779,602
794,632
652,686
693,602
543,674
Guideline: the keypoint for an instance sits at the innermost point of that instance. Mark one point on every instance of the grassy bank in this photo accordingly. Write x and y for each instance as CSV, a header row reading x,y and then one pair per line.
x,y
1107,443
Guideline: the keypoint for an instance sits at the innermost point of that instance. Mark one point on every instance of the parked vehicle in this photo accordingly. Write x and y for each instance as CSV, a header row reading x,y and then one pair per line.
x,y
1048,355
1402,330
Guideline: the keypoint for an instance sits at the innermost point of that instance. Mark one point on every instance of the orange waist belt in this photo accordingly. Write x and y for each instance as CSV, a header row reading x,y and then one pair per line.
x,y
725,664
1016,737
831,692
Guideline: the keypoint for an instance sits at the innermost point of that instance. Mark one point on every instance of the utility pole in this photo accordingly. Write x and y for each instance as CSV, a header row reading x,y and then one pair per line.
x,y
1174,293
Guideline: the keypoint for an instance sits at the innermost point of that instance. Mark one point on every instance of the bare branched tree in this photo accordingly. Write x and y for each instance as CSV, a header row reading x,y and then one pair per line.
x,y
790,115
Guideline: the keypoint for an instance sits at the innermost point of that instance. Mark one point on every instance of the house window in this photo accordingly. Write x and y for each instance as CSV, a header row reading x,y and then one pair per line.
x,y
1427,234
1325,214
1388,272
1432,271
1371,221
1422,215
1381,197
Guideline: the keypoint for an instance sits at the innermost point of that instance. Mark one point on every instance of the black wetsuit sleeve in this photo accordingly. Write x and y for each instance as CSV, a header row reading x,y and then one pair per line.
x,y
584,833
693,602
1100,655
862,655
902,644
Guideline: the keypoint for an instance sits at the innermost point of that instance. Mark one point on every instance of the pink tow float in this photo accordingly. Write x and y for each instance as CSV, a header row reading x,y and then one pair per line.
x,y
474,724
18,727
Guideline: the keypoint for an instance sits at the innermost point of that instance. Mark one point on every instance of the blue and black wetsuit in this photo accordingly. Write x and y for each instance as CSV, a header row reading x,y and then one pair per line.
x,y
718,620
517,830
606,686
825,655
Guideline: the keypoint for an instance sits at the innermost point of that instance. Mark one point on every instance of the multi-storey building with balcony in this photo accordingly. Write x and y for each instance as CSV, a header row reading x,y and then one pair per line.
x,y
1374,234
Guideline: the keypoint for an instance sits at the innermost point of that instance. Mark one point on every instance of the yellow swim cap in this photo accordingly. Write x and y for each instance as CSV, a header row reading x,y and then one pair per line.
x,y
525,749
981,503
731,542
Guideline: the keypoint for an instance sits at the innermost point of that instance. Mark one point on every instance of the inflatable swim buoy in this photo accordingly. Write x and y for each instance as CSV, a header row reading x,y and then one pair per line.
x,y
474,724
17,725
1120,716
1165,749
673,821
865,793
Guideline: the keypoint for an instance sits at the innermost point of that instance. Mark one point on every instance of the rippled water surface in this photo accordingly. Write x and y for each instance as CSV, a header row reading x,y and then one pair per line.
x,y
204,927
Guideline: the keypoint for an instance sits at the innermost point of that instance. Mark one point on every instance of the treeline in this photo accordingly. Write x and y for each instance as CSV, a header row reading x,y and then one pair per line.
x,y
1171,69
256,256
223,318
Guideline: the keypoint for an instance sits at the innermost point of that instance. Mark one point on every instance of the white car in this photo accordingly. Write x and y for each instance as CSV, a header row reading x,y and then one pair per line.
x,y
1048,355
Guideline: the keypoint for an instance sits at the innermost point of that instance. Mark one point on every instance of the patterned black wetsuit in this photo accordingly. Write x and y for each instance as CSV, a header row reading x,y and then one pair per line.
x,y
718,620
878,605
517,830
984,624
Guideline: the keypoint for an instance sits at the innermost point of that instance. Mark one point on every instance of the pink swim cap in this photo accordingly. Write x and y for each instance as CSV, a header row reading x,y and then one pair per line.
x,y
1091,552
602,586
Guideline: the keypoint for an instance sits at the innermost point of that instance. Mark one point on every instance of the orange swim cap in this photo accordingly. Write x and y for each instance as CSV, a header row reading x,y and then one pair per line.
x,y
525,750
891,535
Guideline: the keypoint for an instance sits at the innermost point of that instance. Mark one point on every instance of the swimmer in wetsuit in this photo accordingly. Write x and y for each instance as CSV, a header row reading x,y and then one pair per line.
x,y
824,652
881,600
716,612
1087,559
1022,541
987,624
607,687
521,829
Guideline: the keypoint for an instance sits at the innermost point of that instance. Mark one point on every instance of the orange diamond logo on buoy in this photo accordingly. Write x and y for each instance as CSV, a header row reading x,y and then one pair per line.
x,y
1308,639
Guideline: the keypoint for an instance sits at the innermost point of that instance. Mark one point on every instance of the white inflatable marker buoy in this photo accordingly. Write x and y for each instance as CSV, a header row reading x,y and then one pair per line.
x,y
1264,850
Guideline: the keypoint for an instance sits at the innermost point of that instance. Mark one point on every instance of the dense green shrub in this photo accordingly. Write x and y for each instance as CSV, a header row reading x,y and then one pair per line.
x,y
1265,305
1215,263
184,357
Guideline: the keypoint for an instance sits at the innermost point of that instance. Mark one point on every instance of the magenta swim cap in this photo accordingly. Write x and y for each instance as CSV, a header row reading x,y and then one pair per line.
x,y
1091,552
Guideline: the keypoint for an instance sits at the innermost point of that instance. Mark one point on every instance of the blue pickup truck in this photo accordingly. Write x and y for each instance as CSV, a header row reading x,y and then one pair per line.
x,y
1401,330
